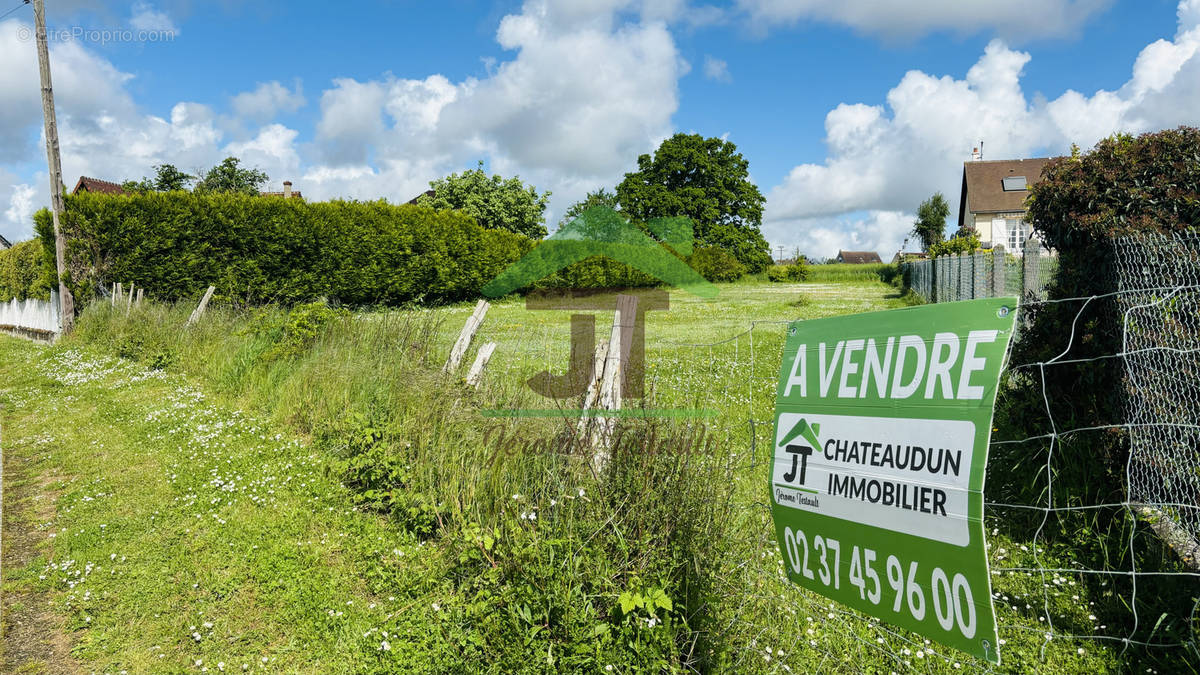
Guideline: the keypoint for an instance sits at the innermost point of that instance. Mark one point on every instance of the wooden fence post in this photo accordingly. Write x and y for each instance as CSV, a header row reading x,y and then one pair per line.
x,y
593,390
112,299
140,296
619,344
475,375
199,311
129,300
464,338
117,295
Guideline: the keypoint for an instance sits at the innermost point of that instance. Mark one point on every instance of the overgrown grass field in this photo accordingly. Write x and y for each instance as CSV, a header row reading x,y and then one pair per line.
x,y
304,491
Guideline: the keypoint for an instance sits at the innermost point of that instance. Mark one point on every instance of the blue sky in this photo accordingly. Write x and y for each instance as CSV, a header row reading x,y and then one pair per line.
x,y
850,112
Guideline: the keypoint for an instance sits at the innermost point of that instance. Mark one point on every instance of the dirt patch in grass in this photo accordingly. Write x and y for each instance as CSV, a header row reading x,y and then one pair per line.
x,y
33,639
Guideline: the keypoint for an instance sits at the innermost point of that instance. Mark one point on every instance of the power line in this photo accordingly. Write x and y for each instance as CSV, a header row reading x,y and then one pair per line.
x,y
26,2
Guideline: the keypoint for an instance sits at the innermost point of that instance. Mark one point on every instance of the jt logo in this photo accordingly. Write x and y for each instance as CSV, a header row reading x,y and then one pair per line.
x,y
582,367
800,453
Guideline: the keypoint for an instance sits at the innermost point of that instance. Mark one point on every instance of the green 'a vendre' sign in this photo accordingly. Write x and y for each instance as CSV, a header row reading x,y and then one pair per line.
x,y
881,434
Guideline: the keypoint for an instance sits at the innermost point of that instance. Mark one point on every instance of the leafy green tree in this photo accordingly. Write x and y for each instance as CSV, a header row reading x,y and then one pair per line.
x,y
966,243
495,202
601,197
167,178
930,226
707,180
228,176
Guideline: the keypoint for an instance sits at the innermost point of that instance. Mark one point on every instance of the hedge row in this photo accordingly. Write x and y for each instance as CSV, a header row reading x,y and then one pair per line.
x,y
266,249
23,273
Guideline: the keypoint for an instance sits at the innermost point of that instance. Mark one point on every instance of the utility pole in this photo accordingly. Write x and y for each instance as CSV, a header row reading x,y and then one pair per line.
x,y
66,302
780,247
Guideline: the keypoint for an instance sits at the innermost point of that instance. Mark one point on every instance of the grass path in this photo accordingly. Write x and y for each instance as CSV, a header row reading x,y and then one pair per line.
x,y
187,539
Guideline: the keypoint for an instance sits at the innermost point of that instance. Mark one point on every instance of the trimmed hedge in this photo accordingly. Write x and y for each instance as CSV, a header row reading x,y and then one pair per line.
x,y
22,272
269,249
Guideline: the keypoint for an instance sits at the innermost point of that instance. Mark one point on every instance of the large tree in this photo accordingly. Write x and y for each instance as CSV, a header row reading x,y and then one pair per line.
x,y
707,180
167,178
601,197
229,176
930,226
495,202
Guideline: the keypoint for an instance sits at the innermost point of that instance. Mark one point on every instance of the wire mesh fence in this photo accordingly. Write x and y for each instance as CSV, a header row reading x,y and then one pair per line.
x,y
988,274
1158,279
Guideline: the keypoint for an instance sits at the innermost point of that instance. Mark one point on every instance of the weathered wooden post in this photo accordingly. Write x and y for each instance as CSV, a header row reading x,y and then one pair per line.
x,y
140,296
464,338
199,311
129,300
619,345
475,375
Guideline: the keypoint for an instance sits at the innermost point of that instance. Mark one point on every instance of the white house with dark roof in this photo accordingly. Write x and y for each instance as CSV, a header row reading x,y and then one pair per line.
x,y
993,199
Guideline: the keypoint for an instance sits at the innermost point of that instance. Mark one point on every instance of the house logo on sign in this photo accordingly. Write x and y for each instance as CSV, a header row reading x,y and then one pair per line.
x,y
800,452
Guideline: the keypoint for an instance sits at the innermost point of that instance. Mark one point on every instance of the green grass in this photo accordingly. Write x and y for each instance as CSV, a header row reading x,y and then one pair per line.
x,y
843,272
313,506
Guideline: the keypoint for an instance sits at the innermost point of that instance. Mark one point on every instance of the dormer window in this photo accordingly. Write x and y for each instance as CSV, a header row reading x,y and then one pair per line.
x,y
1013,183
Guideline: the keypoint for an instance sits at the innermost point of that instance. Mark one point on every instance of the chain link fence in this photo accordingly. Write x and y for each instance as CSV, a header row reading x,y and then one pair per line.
x,y
988,274
1158,281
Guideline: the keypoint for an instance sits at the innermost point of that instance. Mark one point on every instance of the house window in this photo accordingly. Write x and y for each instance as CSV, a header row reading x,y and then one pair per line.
x,y
1017,233
1013,183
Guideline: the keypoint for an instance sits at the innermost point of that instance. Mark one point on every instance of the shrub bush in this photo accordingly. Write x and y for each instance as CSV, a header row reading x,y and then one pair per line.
x,y
966,244
787,273
256,249
717,264
22,272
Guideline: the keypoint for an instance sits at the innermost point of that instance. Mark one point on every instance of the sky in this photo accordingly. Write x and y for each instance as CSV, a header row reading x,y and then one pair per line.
x,y
850,112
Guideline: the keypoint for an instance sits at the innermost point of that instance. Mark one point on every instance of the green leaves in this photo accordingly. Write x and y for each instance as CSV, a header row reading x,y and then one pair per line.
x,y
930,227
649,599
494,202
708,181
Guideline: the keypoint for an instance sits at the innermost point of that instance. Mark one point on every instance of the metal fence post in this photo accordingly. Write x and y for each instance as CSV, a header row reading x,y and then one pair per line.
x,y
1029,267
958,280
931,280
975,274
998,283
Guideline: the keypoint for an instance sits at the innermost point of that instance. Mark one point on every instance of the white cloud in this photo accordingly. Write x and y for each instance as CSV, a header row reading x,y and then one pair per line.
x,y
716,69
17,222
889,158
585,93
273,150
268,100
1014,19
146,17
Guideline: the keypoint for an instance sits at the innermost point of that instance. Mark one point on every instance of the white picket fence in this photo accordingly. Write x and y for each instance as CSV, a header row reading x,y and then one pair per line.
x,y
32,318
